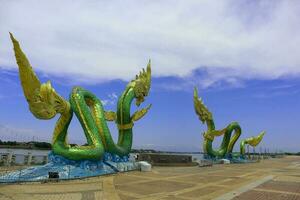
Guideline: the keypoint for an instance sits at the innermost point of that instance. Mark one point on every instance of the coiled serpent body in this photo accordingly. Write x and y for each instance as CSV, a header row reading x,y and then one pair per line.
x,y
45,103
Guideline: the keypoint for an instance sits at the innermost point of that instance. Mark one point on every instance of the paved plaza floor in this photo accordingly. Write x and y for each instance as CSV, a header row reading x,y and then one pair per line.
x,y
271,179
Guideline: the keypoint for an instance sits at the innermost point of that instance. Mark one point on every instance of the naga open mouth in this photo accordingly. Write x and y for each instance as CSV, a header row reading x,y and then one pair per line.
x,y
139,100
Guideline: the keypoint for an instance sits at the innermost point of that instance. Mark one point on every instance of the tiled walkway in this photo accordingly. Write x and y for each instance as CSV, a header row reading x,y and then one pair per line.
x,y
270,179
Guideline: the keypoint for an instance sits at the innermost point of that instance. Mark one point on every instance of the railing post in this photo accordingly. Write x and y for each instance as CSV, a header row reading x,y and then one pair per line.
x,y
29,158
9,158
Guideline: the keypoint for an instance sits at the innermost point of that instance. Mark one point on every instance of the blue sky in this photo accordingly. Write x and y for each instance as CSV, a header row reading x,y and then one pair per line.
x,y
242,56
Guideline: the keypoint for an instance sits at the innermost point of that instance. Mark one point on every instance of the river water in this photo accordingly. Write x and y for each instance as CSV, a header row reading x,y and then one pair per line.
x,y
24,151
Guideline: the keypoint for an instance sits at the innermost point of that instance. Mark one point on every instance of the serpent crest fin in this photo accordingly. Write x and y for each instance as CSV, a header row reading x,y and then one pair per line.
x,y
201,110
110,115
254,141
140,113
43,100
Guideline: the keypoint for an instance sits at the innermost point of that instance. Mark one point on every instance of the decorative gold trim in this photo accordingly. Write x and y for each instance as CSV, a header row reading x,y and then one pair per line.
x,y
125,126
110,115
208,136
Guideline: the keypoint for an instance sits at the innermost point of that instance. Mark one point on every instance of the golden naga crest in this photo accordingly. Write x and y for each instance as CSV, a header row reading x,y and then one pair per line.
x,y
43,100
201,110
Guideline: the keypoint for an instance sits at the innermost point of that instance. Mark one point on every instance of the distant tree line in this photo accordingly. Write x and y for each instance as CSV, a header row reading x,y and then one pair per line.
x,y
292,154
42,145
12,143
29,145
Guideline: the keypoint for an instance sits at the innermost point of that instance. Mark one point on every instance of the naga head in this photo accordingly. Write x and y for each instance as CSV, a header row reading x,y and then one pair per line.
x,y
141,84
200,108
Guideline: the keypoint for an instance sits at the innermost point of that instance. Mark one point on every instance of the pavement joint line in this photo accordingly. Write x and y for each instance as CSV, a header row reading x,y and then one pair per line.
x,y
276,191
215,183
243,189
149,180
57,193
288,178
136,182
141,176
247,174
69,189
160,196
247,181
109,190
160,178
130,194
200,183
198,186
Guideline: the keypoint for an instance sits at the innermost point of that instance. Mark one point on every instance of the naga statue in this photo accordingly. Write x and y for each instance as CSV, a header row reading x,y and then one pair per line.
x,y
44,103
228,141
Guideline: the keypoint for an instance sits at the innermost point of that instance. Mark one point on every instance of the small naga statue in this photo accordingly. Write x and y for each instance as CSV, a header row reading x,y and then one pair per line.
x,y
228,141
45,103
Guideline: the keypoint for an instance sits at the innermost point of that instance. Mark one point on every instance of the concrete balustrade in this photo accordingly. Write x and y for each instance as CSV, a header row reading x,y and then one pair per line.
x,y
9,158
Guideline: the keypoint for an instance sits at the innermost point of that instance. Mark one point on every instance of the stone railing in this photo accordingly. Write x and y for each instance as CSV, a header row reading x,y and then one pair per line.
x,y
8,159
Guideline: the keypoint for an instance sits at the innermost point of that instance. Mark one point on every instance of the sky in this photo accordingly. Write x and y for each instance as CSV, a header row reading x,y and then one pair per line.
x,y
242,55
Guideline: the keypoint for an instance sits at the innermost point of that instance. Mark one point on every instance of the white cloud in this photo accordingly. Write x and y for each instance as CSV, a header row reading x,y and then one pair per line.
x,y
221,78
111,100
94,41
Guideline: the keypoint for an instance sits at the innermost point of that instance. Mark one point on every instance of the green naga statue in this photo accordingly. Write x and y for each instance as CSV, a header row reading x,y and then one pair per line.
x,y
228,141
44,103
